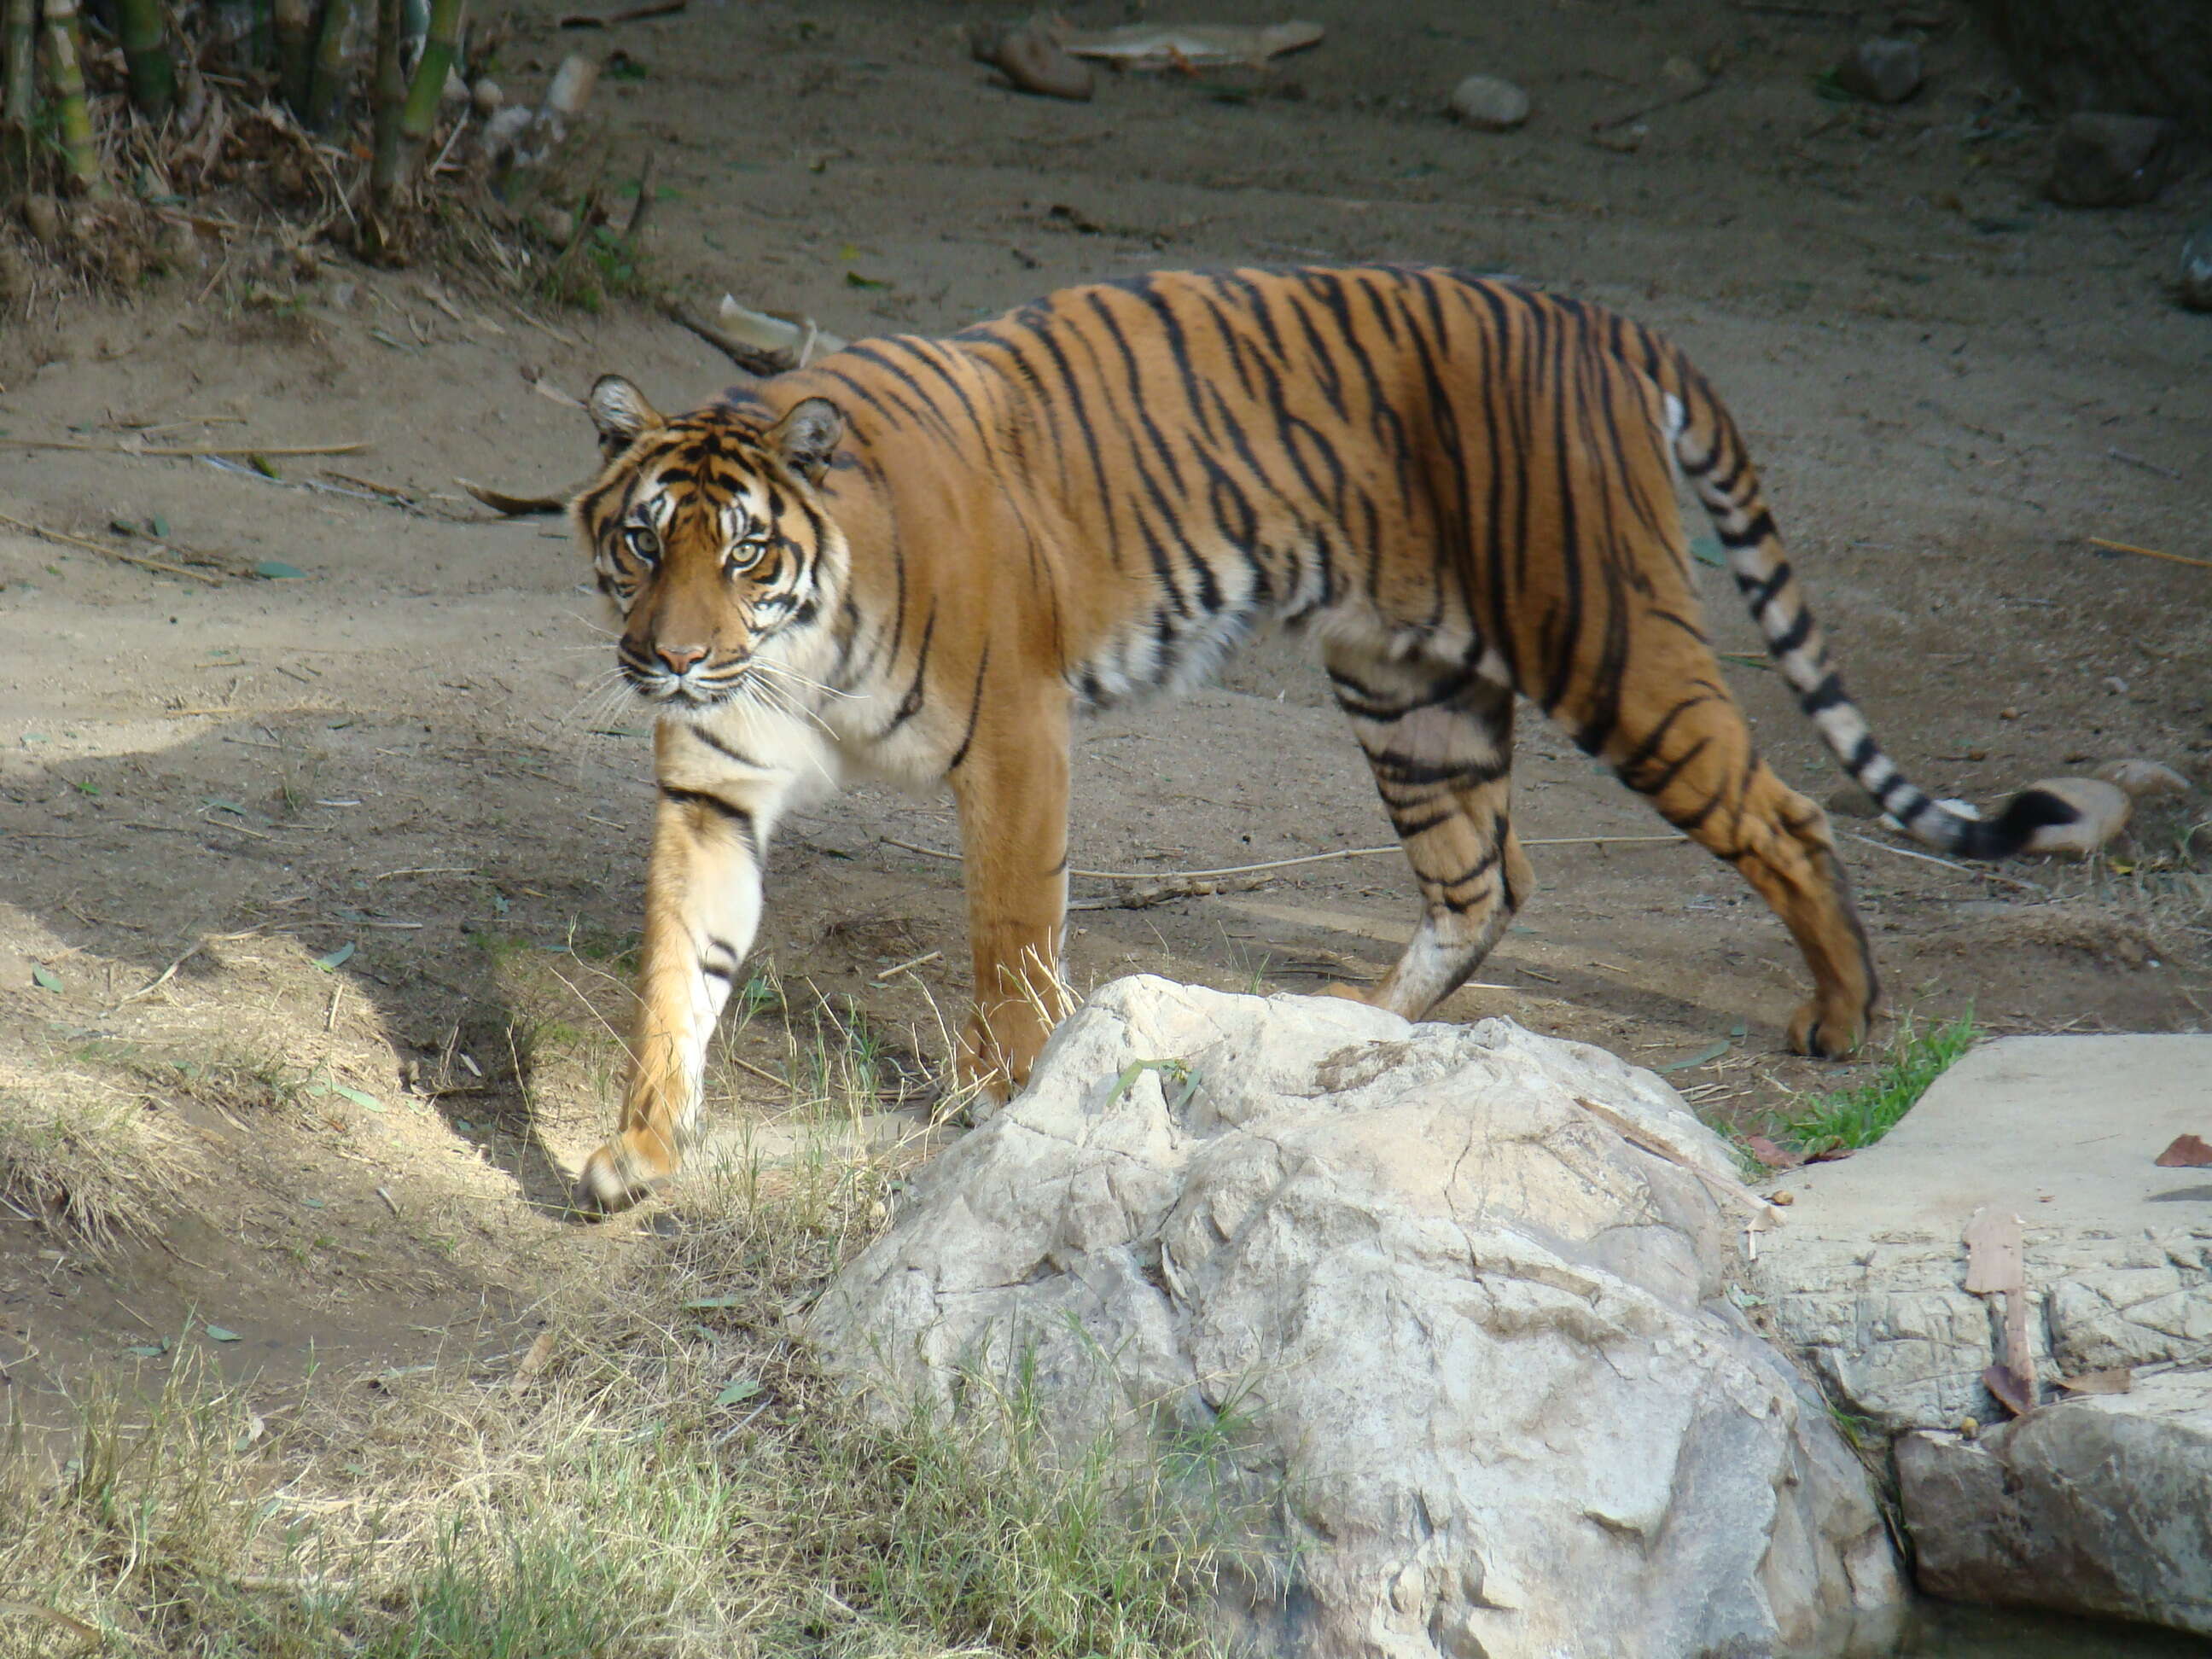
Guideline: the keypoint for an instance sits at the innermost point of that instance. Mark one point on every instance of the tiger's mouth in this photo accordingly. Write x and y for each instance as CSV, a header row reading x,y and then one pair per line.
x,y
702,685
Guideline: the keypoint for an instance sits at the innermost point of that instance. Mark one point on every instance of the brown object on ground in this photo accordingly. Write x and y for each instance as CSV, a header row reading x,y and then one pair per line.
x,y
1996,1265
2187,1153
1882,70
2153,57
2109,161
1191,46
1030,56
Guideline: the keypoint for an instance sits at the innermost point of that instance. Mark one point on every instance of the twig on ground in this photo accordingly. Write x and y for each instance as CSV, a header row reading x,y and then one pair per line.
x,y
1667,103
1949,864
138,559
1285,864
2126,459
2148,552
186,452
754,360
164,976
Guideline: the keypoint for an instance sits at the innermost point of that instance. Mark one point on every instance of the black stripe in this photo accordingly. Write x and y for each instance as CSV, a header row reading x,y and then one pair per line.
x,y
975,712
1826,695
737,817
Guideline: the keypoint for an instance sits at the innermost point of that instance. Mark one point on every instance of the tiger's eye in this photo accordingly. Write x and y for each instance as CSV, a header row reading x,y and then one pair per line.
x,y
744,554
643,543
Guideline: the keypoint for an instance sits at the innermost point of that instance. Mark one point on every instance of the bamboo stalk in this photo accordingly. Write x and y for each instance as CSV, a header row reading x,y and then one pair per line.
x,y
327,79
294,24
440,46
20,106
65,75
146,51
389,88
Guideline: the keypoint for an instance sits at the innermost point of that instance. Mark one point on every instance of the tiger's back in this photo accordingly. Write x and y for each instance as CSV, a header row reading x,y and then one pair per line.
x,y
1462,488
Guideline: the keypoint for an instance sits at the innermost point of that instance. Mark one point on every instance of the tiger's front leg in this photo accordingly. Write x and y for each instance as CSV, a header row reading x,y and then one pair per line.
x,y
702,907
1012,789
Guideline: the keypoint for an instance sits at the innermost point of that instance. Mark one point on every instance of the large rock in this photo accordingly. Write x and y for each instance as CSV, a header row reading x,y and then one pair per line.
x,y
1481,1345
2083,1504
1866,1279
2109,161
2100,1505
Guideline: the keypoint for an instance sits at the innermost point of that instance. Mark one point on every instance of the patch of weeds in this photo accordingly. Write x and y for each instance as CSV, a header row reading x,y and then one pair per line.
x,y
80,1149
1859,1117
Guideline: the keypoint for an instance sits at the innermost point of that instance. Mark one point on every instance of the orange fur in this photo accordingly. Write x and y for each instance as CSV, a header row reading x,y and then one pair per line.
x,y
919,558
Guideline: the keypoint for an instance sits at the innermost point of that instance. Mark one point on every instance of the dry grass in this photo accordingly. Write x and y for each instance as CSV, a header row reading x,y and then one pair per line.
x,y
78,1148
664,1472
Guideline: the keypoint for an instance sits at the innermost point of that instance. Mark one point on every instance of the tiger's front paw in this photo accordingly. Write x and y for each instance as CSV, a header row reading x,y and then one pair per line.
x,y
616,1176
1826,1034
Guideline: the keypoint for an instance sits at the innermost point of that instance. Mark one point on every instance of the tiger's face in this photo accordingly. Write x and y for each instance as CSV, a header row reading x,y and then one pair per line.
x,y
709,538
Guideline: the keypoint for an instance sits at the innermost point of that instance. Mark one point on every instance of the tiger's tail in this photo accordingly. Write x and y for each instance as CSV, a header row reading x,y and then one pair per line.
x,y
1711,452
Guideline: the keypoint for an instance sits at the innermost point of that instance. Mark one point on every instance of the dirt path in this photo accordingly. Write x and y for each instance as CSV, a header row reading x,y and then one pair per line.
x,y
387,803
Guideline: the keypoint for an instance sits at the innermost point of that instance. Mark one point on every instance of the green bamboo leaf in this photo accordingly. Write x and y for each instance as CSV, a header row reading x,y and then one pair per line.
x,y
277,570
700,1303
359,1097
46,979
740,1389
337,958
217,1333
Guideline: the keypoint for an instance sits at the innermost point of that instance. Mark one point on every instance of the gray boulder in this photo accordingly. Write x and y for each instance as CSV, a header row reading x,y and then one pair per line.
x,y
2110,160
2098,1505
1883,70
1480,1347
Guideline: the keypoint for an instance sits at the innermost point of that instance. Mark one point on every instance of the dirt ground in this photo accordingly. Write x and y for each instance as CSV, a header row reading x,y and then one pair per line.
x,y
324,883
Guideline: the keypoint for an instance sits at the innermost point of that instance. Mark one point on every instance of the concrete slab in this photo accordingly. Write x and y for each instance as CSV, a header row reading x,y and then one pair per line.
x,y
2063,1130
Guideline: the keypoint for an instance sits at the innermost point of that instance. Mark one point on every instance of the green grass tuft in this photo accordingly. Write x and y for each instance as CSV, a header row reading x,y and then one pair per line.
x,y
1859,1117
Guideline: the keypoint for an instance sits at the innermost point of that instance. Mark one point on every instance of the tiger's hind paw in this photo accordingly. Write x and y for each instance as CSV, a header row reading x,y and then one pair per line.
x,y
1827,1036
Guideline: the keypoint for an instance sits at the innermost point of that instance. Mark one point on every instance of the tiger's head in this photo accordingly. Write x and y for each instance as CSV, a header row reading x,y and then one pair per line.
x,y
709,537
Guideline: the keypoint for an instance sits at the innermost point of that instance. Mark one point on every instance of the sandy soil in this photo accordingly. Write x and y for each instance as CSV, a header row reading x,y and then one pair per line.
x,y
1949,385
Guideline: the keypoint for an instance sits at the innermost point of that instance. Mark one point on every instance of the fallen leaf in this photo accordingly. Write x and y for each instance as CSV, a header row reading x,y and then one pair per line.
x,y
145,1350
700,1303
217,1333
2187,1153
337,958
1772,1156
1713,1051
46,979
853,279
2000,1381
277,570
2118,1380
359,1097
741,1389
1835,1154
540,1353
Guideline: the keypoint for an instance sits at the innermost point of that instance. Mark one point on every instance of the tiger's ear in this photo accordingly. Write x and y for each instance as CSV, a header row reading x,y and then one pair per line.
x,y
621,413
807,436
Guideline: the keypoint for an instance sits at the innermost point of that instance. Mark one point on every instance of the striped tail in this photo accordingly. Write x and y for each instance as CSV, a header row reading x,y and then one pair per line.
x,y
1711,452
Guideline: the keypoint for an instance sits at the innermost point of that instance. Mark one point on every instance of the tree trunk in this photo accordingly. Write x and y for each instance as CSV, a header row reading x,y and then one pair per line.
x,y
21,109
65,75
2123,56
153,76
379,222
440,45
326,82
294,25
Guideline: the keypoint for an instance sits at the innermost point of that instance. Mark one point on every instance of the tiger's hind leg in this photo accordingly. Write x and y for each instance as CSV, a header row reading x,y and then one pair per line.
x,y
1679,737
1439,741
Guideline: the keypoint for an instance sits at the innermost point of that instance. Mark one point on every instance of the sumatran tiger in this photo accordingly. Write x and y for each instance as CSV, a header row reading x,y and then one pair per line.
x,y
916,559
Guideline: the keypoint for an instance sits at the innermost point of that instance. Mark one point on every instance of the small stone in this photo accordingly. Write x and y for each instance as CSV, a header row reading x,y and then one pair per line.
x,y
179,245
42,217
456,90
2143,777
1882,71
556,225
2109,161
1031,57
488,97
16,276
2115,684
2008,713
1490,105
2197,269
1851,801
2102,810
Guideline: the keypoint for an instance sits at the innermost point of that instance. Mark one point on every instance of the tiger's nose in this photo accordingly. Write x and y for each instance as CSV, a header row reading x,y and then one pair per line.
x,y
680,657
